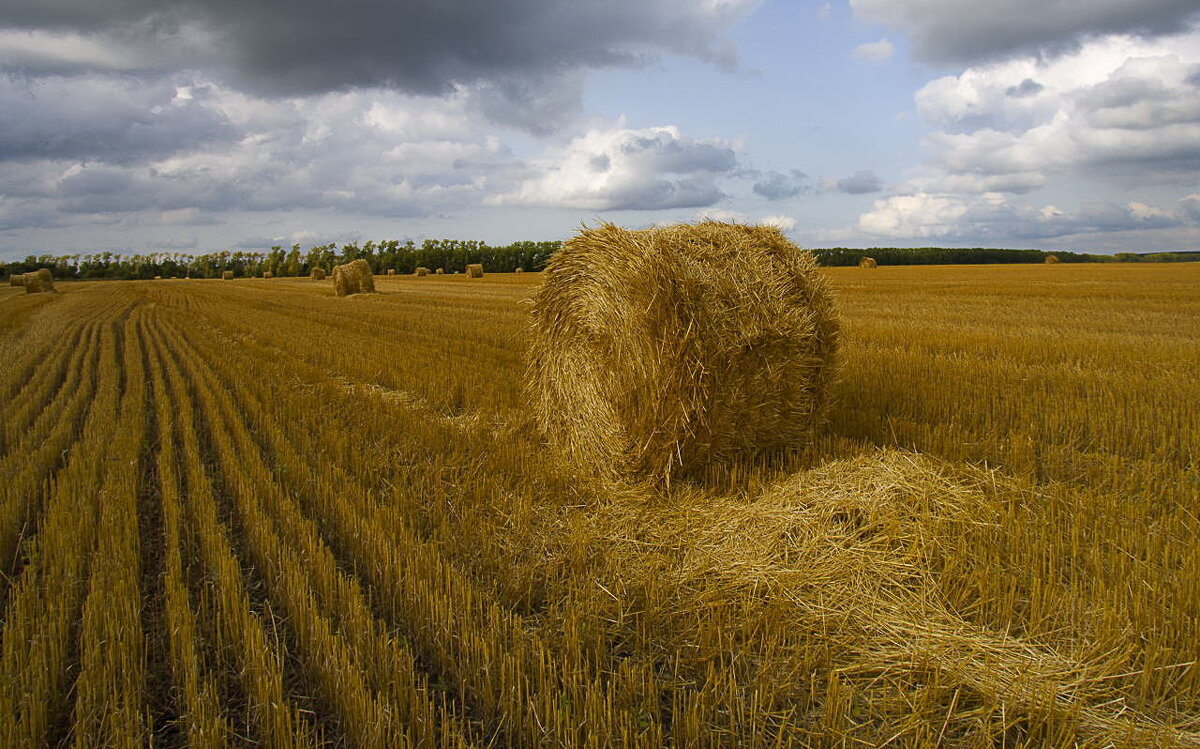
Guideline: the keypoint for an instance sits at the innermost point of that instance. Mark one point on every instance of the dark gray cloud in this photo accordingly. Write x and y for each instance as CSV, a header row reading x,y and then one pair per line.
x,y
303,47
111,119
861,182
1027,87
959,32
779,186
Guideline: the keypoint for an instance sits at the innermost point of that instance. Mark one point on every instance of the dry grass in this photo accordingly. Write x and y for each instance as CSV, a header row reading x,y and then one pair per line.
x,y
353,278
659,352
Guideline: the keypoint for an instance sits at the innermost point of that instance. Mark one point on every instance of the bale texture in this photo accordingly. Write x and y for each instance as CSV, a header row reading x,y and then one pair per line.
x,y
518,270
420,272
441,271
353,278
1051,259
868,262
656,353
16,279
317,274
391,271
226,275
474,270
40,281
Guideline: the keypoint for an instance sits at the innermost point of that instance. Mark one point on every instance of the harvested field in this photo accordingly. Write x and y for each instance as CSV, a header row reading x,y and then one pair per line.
x,y
246,512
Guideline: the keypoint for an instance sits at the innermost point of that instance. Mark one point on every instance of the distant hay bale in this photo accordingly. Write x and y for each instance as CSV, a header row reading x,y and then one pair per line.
x,y
266,274
474,270
656,353
441,271
353,278
518,270
317,274
16,279
1051,259
40,281
226,275
868,262
158,278
391,271
420,272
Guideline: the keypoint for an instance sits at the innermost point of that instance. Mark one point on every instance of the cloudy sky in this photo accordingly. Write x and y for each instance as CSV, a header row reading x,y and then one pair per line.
x,y
197,125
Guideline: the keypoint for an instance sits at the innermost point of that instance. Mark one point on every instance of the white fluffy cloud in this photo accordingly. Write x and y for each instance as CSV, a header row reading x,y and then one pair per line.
x,y
874,51
994,216
622,169
1118,108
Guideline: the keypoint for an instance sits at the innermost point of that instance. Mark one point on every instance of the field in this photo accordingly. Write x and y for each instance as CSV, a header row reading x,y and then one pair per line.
x,y
248,511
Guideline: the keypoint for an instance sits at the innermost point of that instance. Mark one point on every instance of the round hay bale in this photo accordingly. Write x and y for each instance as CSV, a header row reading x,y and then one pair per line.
x,y
391,271
353,278
518,270
474,270
40,281
441,271
868,262
656,353
1051,259
420,272
158,278
317,274
266,274
226,275
16,279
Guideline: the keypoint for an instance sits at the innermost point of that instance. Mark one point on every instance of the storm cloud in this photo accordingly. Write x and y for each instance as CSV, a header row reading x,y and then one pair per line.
x,y
301,47
964,32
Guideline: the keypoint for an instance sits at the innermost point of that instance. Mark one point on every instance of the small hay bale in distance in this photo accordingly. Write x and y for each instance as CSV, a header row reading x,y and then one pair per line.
x,y
441,271
867,262
226,275
657,353
420,272
518,270
16,279
474,270
266,274
40,281
353,278
391,271
1052,259
317,274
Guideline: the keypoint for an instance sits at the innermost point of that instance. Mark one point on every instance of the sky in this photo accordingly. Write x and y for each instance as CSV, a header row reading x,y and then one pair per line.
x,y
206,125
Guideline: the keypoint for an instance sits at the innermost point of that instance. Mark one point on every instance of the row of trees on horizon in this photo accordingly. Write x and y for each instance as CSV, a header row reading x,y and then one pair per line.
x,y
456,254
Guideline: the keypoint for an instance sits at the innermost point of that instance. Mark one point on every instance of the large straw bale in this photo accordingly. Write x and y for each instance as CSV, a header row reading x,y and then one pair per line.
x,y
40,281
868,262
317,274
1051,259
391,271
420,272
474,270
226,275
353,278
658,352
16,279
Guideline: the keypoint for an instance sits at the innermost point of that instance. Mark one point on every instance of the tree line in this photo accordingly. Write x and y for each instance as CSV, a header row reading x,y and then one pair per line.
x,y
454,255
403,257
